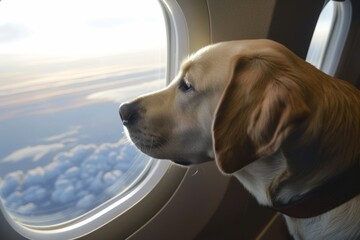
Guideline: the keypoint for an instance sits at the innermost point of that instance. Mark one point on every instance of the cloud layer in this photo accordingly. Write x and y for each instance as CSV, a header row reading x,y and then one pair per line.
x,y
73,182
35,153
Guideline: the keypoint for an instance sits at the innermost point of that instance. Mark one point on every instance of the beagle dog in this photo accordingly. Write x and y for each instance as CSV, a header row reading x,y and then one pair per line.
x,y
287,131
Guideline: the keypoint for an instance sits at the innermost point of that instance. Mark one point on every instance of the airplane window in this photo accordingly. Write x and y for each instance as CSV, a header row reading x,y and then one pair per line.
x,y
64,68
329,36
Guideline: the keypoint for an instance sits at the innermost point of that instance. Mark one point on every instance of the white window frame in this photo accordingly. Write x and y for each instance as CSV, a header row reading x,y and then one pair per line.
x,y
163,188
329,36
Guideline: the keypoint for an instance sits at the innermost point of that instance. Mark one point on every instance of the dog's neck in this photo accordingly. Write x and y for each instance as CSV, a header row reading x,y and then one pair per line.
x,y
271,183
325,197
258,176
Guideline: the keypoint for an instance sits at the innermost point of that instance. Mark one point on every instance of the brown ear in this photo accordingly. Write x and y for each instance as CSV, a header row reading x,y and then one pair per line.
x,y
256,113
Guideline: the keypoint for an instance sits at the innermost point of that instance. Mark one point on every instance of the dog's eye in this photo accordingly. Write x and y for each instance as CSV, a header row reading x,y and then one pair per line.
x,y
185,86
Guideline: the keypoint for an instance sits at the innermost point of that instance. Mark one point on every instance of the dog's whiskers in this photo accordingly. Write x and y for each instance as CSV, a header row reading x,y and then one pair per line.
x,y
198,169
196,172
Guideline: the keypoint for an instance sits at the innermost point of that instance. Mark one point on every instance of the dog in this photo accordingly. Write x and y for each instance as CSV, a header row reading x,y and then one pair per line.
x,y
287,131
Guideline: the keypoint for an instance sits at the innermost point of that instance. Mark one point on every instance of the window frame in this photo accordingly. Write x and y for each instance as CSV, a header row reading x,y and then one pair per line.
x,y
325,52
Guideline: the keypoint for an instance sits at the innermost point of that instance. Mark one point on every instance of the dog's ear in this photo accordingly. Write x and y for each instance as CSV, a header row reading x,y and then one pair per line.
x,y
257,111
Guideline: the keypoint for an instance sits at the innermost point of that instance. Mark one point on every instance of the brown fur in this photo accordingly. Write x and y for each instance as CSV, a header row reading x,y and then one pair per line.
x,y
274,121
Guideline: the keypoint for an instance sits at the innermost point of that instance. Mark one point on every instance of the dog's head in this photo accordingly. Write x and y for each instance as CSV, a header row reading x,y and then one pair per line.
x,y
233,102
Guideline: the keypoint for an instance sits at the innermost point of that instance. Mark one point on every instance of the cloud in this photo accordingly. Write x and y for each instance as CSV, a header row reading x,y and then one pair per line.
x,y
27,208
35,153
12,182
75,180
34,177
34,194
124,93
64,136
14,200
11,32
78,89
68,140
85,201
109,22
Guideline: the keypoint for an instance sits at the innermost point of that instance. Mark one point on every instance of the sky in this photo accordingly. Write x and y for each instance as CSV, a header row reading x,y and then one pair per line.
x,y
65,66
81,25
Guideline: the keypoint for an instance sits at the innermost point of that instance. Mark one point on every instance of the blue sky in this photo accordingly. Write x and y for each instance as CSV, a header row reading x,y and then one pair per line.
x,y
62,146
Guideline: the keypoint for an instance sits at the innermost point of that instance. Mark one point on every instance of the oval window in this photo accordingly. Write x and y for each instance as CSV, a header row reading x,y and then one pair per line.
x,y
64,68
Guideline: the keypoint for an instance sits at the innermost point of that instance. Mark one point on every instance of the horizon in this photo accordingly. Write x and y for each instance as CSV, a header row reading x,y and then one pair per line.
x,y
62,147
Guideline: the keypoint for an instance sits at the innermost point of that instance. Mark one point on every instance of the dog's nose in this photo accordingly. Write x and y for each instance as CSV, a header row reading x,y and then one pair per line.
x,y
128,113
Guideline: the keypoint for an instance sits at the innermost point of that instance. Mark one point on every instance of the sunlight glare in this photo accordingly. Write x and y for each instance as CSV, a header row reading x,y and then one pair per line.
x,y
79,27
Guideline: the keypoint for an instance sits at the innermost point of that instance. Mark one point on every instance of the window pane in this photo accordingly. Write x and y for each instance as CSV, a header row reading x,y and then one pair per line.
x,y
64,68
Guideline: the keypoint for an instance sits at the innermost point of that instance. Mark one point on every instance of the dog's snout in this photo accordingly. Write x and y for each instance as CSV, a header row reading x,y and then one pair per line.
x,y
128,113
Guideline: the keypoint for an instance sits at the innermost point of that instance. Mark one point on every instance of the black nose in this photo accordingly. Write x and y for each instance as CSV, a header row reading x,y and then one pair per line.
x,y
129,113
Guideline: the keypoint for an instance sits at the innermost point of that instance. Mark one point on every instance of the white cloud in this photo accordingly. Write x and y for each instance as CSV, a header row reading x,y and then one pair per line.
x,y
86,201
64,136
27,208
12,182
34,194
36,153
77,179
111,177
69,140
64,192
34,177
14,200
125,93
49,37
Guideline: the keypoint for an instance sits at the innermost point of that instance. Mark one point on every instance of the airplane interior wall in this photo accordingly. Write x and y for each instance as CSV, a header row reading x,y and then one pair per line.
x,y
291,23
